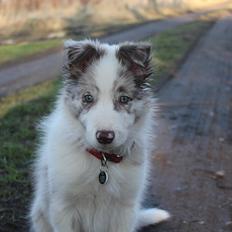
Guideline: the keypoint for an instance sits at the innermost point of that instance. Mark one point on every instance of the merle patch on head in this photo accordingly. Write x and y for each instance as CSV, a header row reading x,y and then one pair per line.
x,y
79,57
133,71
136,57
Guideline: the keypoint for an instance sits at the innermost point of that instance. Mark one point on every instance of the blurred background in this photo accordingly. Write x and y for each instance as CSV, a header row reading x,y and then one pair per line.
x,y
27,20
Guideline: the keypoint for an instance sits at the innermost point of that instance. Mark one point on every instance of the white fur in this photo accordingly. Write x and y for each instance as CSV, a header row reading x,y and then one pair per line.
x,y
68,196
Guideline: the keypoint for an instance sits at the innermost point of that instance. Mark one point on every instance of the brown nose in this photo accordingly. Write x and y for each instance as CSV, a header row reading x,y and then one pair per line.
x,y
104,136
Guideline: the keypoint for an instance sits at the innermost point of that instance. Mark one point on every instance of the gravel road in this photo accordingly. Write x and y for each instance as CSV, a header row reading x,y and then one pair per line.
x,y
192,175
48,67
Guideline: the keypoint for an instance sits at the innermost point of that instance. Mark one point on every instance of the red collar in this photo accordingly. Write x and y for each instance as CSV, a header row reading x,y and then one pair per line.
x,y
99,155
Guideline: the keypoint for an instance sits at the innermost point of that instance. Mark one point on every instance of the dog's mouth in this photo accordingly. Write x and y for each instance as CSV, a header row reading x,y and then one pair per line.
x,y
107,148
102,155
120,150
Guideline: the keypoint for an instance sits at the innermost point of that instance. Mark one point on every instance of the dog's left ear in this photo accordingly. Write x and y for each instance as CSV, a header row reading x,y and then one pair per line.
x,y
137,58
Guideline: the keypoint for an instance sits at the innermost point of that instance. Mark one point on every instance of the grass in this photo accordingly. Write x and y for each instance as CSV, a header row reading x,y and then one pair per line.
x,y
20,113
22,51
9,53
171,47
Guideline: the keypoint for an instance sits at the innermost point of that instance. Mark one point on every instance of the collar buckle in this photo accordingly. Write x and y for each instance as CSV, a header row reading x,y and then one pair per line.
x,y
103,160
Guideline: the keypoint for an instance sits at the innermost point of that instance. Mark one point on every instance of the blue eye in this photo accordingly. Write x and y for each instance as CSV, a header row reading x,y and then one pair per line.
x,y
124,99
87,98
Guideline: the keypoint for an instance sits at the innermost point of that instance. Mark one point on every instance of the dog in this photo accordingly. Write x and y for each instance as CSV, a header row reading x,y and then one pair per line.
x,y
93,159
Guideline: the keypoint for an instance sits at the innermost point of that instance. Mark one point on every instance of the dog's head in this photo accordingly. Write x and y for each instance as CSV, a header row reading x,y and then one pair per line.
x,y
106,89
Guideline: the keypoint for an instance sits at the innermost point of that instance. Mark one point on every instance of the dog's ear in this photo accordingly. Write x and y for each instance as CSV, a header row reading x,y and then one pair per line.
x,y
80,55
137,58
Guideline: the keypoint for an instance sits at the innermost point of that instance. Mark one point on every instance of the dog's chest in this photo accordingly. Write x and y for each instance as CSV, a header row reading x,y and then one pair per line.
x,y
95,210
123,182
99,205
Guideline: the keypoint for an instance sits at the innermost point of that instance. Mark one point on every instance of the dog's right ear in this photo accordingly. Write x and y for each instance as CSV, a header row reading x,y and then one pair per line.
x,y
137,58
80,55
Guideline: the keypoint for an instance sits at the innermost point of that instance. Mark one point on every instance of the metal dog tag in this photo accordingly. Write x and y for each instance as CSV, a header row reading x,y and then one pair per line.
x,y
103,177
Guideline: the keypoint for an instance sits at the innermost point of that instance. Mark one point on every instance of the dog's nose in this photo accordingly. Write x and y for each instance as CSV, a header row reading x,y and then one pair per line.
x,y
104,136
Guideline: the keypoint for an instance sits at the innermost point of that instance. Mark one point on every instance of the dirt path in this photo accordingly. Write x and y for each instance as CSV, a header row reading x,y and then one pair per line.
x,y
34,71
193,163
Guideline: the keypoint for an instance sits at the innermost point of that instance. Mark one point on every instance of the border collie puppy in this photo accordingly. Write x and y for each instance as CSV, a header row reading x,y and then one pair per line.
x,y
93,159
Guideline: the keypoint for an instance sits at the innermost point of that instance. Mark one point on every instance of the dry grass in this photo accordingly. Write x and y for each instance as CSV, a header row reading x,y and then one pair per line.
x,y
53,18
199,4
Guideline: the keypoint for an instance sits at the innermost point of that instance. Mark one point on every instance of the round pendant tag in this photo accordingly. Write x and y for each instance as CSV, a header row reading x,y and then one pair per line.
x,y
103,177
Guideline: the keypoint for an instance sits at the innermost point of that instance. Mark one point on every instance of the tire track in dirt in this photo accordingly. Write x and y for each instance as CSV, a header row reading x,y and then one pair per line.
x,y
192,175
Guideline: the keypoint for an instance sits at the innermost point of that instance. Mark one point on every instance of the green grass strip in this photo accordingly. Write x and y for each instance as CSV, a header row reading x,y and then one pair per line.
x,y
15,52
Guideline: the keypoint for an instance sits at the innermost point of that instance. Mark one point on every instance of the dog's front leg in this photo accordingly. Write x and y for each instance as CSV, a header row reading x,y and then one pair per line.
x,y
64,217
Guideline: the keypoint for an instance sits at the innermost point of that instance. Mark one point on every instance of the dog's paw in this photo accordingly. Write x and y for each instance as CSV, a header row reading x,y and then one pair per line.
x,y
152,216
